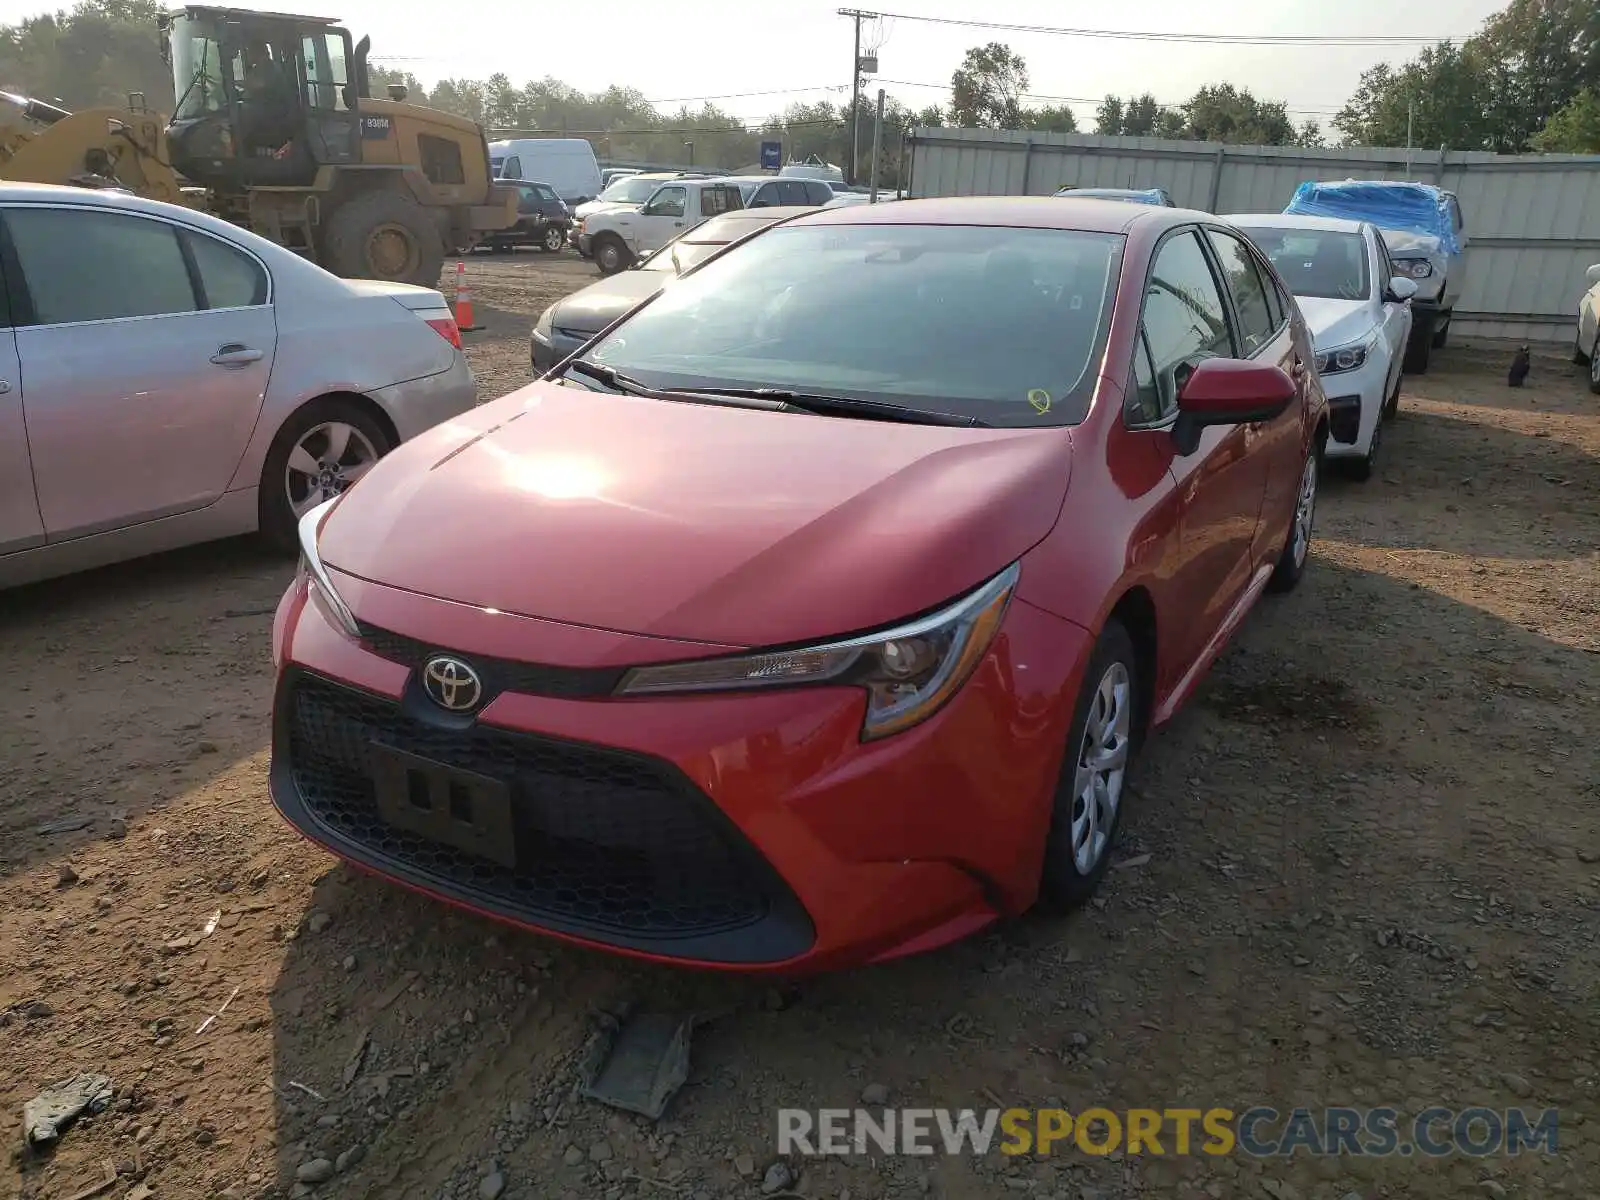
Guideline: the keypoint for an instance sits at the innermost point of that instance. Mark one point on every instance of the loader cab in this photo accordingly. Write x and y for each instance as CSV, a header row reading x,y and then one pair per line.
x,y
263,99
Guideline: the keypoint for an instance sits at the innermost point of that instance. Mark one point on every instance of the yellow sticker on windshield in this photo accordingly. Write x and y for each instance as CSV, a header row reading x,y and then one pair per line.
x,y
1040,399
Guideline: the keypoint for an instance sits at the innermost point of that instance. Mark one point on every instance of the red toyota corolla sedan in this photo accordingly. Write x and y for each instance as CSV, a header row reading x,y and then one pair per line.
x,y
811,614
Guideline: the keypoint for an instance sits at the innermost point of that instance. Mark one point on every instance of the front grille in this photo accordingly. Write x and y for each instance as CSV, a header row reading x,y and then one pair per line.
x,y
608,844
499,674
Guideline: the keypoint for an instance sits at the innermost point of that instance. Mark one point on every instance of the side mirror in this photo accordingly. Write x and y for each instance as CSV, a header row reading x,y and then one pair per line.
x,y
1593,273
1229,391
1402,289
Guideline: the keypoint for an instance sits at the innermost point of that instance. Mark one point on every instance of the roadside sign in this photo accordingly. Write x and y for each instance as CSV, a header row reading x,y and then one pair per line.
x,y
771,155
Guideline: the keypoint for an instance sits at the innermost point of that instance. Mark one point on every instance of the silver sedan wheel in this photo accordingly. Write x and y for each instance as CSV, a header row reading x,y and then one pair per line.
x,y
1102,768
327,459
1305,510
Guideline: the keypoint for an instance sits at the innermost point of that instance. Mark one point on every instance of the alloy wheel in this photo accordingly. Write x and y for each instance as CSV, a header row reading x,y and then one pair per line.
x,y
1102,768
1305,510
554,239
1594,363
327,460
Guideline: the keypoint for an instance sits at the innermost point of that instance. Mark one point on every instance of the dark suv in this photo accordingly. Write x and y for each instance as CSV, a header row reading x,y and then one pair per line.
x,y
542,220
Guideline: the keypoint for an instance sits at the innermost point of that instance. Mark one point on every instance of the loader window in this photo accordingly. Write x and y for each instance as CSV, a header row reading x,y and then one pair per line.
x,y
197,75
326,73
441,159
81,265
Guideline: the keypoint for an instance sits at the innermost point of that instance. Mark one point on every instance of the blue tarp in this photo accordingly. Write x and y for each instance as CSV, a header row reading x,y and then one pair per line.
x,y
1131,195
1413,207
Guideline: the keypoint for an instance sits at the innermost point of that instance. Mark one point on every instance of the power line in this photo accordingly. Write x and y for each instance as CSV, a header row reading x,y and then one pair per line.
x,y
1321,108
1236,39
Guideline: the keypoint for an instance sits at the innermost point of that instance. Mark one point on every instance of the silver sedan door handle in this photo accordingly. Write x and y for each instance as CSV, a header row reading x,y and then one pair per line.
x,y
235,355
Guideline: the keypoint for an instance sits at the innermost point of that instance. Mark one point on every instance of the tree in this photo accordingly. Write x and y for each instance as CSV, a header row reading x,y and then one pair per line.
x,y
1108,117
1575,129
1309,134
986,89
1446,96
1221,112
1051,119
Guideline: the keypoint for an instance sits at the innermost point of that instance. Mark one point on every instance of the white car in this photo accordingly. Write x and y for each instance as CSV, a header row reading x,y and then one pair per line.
x,y
1358,308
168,378
1587,347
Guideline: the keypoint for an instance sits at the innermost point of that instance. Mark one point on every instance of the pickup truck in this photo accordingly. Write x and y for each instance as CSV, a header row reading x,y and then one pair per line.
x,y
616,238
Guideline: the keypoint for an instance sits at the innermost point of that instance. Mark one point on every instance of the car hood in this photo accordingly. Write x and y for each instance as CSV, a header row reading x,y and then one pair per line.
x,y
592,207
1335,323
1411,244
599,304
698,522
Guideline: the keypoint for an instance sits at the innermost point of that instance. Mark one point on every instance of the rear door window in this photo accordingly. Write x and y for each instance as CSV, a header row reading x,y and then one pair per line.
x,y
792,191
818,193
229,277
720,199
1250,304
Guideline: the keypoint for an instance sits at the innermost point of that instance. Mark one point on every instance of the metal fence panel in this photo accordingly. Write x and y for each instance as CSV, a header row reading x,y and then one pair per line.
x,y
1533,221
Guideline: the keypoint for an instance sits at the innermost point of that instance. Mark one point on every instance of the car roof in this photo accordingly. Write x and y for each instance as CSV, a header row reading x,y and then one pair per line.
x,y
1034,212
1297,221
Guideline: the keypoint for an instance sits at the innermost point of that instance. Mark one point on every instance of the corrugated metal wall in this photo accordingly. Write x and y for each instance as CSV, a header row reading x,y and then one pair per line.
x,y
1533,221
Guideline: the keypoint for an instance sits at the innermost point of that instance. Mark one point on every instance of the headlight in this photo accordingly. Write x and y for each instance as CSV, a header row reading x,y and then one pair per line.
x,y
1346,358
909,672
319,585
1417,268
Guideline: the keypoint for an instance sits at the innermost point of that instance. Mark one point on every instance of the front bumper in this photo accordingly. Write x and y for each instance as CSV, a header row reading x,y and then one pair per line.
x,y
419,404
1355,406
752,833
547,349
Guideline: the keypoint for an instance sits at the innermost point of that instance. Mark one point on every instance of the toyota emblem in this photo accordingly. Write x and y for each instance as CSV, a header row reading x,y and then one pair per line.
x,y
452,684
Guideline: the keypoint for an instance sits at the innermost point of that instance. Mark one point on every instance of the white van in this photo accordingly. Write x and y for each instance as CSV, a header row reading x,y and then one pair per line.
x,y
566,164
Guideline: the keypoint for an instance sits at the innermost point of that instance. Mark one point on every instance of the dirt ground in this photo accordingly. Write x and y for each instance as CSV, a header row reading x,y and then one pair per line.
x,y
1362,868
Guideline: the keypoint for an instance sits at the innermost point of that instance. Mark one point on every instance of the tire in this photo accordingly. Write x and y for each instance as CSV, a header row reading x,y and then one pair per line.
x,y
1579,355
1419,349
1076,855
1441,335
277,497
384,235
1362,468
610,254
553,239
1391,402
1296,551
1594,365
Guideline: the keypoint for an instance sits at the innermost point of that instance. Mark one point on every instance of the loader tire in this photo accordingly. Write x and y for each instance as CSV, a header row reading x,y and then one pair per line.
x,y
384,235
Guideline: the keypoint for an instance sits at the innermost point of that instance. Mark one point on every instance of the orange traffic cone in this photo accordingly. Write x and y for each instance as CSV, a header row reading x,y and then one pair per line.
x,y
464,320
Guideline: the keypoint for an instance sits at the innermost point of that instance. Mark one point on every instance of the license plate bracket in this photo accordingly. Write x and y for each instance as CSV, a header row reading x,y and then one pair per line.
x,y
461,809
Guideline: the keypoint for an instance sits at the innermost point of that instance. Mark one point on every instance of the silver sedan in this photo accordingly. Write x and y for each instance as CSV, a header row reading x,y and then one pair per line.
x,y
168,378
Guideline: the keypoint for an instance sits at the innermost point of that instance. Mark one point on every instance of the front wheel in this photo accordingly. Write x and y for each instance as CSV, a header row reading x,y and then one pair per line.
x,y
554,238
1418,351
1087,808
610,255
320,451
1297,548
1594,365
1363,467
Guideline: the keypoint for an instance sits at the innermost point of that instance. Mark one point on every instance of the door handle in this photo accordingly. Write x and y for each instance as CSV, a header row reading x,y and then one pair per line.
x,y
5,386
235,355
1299,368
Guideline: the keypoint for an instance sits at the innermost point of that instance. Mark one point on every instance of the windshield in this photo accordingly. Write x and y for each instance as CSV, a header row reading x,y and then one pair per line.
x,y
1317,263
631,189
998,324
196,69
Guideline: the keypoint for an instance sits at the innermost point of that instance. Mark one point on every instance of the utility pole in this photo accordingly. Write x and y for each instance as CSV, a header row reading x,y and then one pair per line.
x,y
857,16
877,146
1411,116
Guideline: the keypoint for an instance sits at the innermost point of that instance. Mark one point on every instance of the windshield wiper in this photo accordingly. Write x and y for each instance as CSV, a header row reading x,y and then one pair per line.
x,y
846,406
613,378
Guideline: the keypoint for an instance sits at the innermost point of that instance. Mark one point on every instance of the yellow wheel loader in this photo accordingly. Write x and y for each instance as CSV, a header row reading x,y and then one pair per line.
x,y
273,129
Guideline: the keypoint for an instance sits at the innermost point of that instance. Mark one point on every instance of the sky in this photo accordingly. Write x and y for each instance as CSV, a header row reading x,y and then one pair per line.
x,y
755,58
